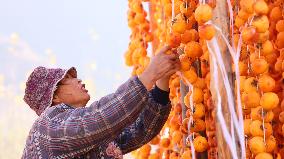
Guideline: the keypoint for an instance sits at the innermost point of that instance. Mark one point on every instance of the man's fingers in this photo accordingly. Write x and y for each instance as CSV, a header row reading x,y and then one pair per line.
x,y
164,50
170,72
177,65
173,56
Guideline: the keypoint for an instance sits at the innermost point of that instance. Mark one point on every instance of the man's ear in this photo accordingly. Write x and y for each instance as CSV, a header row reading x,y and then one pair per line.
x,y
55,100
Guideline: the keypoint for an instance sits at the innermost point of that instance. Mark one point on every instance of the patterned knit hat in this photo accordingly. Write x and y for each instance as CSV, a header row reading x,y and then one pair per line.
x,y
41,85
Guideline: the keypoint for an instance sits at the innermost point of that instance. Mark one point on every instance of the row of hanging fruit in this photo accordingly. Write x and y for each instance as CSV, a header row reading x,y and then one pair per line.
x,y
256,32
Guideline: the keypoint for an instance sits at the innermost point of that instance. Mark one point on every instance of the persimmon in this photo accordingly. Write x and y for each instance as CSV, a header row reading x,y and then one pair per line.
x,y
264,155
203,13
267,48
242,83
278,65
186,37
243,14
258,129
173,39
266,83
186,99
269,100
137,7
261,23
206,31
251,99
280,25
193,49
142,157
189,35
165,142
128,58
139,18
275,13
176,136
280,40
200,83
140,70
177,108
185,9
249,34
198,125
186,154
155,140
194,34
135,56
239,22
185,62
173,155
190,21
149,37
270,143
256,114
259,66
197,95
256,145
184,127
190,75
250,85
179,26
271,59
175,122
188,113
247,123
144,61
200,144
145,150
177,7
144,27
260,7
242,68
168,9
176,81
253,56
262,37
198,110
247,5
154,156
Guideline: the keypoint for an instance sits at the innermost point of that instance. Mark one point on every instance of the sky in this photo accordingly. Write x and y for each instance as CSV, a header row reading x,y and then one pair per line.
x,y
90,35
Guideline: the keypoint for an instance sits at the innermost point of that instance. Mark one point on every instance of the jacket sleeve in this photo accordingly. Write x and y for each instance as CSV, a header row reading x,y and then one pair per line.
x,y
148,124
77,131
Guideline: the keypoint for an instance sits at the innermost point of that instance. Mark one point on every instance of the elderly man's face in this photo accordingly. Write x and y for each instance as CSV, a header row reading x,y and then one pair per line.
x,y
71,91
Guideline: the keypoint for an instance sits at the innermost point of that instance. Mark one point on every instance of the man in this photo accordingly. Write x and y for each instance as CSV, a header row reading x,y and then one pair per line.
x,y
115,125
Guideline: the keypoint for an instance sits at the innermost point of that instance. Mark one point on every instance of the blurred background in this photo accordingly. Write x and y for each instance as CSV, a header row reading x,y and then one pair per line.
x,y
90,35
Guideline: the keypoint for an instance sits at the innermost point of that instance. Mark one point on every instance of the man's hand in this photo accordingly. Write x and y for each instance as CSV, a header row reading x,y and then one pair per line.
x,y
161,67
163,83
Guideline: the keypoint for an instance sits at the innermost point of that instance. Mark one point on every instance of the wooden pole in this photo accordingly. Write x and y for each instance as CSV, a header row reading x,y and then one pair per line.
x,y
221,19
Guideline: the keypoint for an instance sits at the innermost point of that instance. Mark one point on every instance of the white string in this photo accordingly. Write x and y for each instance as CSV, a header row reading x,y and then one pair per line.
x,y
235,57
220,116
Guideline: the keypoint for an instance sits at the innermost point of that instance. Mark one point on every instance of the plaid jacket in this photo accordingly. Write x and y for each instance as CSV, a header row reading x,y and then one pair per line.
x,y
126,119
